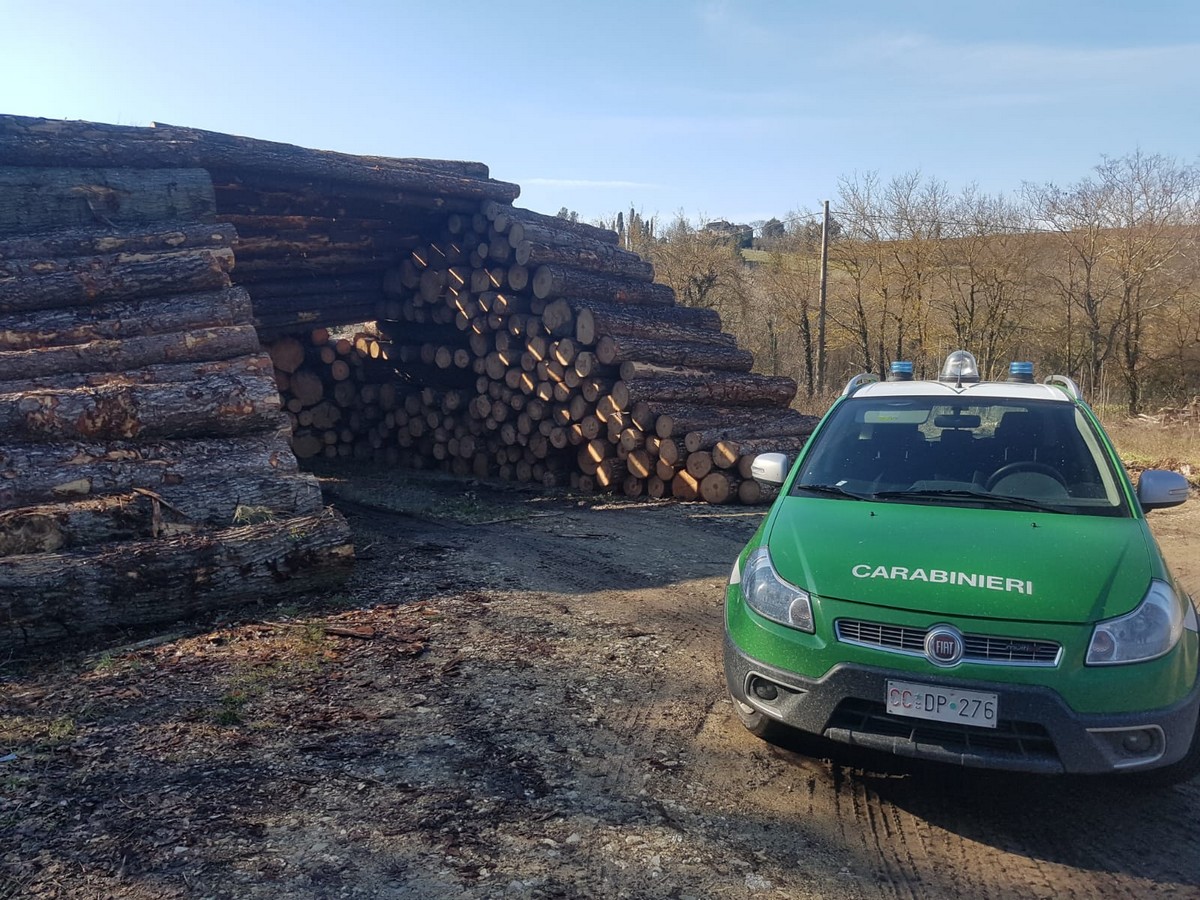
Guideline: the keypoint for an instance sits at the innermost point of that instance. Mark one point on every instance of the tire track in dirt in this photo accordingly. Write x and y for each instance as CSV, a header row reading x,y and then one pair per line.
x,y
636,591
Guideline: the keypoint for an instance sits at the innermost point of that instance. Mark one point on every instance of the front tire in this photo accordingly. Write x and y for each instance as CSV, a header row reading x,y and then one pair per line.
x,y
759,724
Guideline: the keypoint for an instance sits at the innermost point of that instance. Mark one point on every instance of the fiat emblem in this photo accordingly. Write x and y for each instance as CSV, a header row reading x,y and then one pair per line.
x,y
944,645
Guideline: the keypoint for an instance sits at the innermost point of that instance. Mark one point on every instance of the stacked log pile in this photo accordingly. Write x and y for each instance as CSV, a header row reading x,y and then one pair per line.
x,y
142,419
512,363
145,458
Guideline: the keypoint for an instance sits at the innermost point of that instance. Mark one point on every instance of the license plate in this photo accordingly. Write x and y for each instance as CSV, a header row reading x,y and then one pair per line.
x,y
942,704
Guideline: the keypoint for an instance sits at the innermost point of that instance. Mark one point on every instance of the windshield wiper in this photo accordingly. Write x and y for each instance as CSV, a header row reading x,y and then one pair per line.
x,y
958,494
834,490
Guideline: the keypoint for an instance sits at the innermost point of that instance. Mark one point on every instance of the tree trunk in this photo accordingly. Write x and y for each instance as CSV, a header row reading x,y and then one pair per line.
x,y
786,423
719,487
83,281
667,323
47,597
667,352
142,514
506,219
253,365
676,420
197,345
35,199
34,142
593,256
561,281
101,239
213,405
117,320
738,388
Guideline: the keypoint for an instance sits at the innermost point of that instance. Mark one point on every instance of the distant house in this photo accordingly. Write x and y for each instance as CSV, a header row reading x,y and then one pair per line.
x,y
741,235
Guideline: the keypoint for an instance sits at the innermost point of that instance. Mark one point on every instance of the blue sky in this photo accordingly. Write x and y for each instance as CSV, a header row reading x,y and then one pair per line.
x,y
734,110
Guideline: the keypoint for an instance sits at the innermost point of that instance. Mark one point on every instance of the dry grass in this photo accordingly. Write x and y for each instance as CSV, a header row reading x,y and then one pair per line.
x,y
1144,444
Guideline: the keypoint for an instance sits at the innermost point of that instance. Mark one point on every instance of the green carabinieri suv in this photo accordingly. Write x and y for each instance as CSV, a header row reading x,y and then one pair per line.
x,y
960,570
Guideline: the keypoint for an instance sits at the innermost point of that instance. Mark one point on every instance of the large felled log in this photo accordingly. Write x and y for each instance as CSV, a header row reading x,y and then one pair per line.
x,y
310,285
590,255
98,520
676,420
736,388
254,364
211,502
281,235
719,487
34,142
51,596
123,318
561,281
786,422
668,323
27,285
34,199
197,345
40,473
90,241
506,219
214,405
254,268
261,193
620,350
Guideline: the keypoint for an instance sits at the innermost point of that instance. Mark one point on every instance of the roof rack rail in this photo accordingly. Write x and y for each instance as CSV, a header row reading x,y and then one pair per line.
x,y
859,381
1068,386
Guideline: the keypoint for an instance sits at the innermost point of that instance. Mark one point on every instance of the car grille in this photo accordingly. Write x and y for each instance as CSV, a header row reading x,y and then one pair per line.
x,y
1022,745
977,648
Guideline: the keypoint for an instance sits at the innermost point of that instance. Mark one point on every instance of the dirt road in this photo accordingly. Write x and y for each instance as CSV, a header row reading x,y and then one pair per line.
x,y
519,697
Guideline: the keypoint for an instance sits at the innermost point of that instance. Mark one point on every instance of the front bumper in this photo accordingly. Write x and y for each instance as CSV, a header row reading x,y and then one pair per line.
x,y
1037,731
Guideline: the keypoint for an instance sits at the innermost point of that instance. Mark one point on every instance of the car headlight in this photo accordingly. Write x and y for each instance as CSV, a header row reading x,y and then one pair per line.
x,y
1150,631
772,597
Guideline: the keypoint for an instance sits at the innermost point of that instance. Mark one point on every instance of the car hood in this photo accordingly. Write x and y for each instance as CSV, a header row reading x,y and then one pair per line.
x,y
966,562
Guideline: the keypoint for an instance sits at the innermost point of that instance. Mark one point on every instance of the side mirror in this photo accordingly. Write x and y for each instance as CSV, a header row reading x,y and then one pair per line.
x,y
1159,489
770,468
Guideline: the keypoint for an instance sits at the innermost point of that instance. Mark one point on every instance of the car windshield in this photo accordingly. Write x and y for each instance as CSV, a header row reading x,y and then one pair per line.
x,y
963,451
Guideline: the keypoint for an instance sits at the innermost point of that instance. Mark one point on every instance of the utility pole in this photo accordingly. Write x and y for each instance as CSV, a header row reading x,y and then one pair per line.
x,y
821,302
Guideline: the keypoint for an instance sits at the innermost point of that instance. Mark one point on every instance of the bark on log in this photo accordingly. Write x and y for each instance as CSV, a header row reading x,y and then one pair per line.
x,y
34,142
593,256
666,352
147,514
203,486
676,420
506,218
260,194
253,365
786,423
35,197
50,596
196,345
738,388
214,405
122,319
91,241
308,286
668,323
561,281
88,279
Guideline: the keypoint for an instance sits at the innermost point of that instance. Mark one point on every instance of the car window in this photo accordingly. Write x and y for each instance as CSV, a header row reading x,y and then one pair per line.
x,y
892,448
